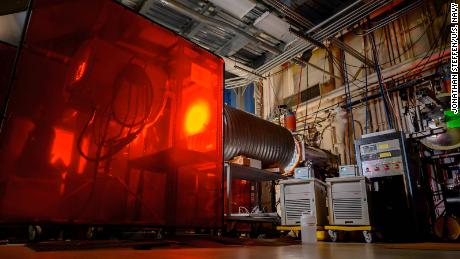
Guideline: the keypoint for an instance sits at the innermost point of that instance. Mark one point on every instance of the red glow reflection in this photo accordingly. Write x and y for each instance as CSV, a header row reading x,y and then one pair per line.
x,y
81,69
62,147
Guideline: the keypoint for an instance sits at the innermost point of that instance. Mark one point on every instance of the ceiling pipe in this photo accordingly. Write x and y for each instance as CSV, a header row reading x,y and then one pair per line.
x,y
321,24
233,65
133,4
306,24
352,17
386,8
317,68
290,13
212,21
300,46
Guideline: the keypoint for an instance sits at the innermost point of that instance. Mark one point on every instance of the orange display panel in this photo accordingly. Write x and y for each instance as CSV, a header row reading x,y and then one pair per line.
x,y
112,119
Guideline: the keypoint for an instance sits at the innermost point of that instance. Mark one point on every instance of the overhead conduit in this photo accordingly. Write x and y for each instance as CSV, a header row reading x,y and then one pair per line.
x,y
178,7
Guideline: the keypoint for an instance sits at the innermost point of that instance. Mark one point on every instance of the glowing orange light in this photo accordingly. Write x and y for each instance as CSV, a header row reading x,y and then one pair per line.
x,y
62,146
81,69
197,117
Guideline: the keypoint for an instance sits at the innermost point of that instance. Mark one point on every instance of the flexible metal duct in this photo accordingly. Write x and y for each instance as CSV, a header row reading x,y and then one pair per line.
x,y
323,162
248,135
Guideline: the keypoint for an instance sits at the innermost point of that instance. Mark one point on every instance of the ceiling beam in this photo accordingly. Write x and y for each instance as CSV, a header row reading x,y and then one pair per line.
x,y
232,46
306,24
181,8
350,16
350,50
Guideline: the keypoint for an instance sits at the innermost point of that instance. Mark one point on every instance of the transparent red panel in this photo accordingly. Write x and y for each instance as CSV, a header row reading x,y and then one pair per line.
x,y
112,120
241,196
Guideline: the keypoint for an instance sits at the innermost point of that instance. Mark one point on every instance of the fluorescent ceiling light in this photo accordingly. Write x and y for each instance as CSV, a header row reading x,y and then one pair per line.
x,y
237,8
275,26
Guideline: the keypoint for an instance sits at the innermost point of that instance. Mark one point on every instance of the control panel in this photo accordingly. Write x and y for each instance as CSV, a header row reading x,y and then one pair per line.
x,y
382,157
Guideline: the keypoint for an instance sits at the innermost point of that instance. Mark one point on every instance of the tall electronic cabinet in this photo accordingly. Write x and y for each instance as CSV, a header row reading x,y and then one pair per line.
x,y
382,158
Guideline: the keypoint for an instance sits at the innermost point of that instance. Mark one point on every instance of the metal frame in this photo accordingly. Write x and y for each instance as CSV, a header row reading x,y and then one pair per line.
x,y
215,19
234,171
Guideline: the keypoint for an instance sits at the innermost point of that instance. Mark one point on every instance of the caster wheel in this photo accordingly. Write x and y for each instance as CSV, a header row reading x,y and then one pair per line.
x,y
333,235
90,233
261,236
368,237
35,232
159,235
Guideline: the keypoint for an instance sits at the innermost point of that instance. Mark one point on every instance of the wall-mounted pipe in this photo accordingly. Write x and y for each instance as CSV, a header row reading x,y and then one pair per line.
x,y
401,104
374,121
394,89
396,110
299,46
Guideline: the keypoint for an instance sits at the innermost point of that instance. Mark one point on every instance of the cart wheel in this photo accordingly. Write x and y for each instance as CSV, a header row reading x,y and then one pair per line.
x,y
159,235
90,233
35,232
333,235
261,236
368,236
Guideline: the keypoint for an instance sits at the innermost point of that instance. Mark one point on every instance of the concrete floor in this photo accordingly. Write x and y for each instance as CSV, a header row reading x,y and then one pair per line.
x,y
321,250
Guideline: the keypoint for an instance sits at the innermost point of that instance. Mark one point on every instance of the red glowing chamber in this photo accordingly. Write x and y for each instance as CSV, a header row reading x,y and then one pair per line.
x,y
112,120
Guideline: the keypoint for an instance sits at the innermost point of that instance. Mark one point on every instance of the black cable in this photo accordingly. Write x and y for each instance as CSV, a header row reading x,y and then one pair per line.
x,y
102,115
321,96
350,109
380,80
367,103
306,106
408,49
435,44
100,119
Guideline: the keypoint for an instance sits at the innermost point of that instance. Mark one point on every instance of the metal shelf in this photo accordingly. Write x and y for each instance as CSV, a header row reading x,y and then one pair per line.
x,y
170,159
252,219
234,171
251,174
